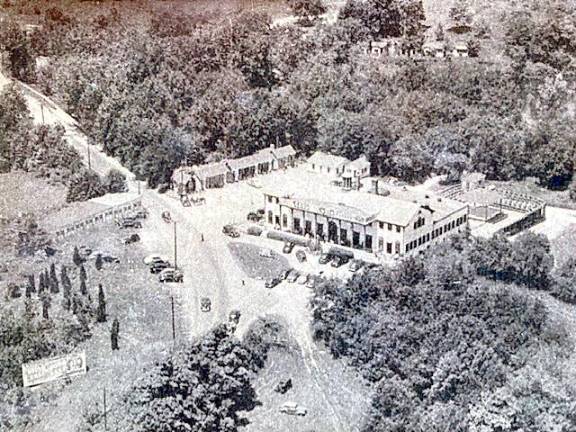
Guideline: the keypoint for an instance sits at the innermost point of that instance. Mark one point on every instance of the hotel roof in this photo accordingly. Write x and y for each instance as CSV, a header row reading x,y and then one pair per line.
x,y
398,208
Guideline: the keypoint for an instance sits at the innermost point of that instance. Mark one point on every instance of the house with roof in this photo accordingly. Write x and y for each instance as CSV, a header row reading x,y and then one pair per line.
x,y
327,164
217,174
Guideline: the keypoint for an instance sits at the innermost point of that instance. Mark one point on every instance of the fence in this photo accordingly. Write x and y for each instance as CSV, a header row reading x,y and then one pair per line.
x,y
108,214
529,219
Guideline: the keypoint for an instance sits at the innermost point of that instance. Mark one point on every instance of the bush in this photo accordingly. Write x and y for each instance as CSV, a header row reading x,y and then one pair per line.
x,y
565,290
115,182
85,186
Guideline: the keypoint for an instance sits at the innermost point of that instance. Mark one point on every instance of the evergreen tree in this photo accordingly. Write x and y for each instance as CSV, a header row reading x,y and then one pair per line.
x,y
76,257
66,283
31,286
54,284
45,307
98,262
83,275
101,310
66,303
114,334
83,289
75,304
41,285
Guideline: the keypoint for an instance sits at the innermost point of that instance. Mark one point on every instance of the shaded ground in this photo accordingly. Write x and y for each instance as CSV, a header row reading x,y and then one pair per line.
x,y
335,397
254,264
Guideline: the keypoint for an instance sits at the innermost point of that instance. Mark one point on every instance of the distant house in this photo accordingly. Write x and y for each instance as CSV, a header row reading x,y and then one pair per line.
x,y
354,171
217,174
460,50
435,49
325,163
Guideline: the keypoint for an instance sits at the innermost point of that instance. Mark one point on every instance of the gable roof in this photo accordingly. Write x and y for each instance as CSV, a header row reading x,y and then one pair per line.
x,y
326,159
283,152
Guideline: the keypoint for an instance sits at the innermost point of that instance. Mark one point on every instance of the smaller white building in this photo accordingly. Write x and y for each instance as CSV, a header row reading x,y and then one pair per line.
x,y
324,163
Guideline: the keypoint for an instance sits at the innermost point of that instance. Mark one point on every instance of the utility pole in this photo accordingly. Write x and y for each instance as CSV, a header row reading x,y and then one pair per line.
x,y
42,111
173,322
89,163
175,248
105,422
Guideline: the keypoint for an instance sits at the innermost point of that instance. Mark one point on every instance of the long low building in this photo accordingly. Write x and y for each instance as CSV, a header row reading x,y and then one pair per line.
x,y
380,224
216,174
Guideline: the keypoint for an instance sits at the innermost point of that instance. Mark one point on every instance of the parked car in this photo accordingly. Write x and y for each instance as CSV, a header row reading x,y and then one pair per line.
x,y
158,266
171,275
205,304
337,261
283,386
141,213
292,408
253,217
230,231
311,282
324,258
110,259
261,212
153,258
254,230
284,274
271,283
130,223
166,217
300,255
132,239
234,316
292,276
288,246
302,279
355,265
84,251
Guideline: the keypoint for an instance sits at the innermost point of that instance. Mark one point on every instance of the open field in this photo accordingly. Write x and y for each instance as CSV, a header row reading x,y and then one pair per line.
x,y
254,264
552,198
335,397
22,192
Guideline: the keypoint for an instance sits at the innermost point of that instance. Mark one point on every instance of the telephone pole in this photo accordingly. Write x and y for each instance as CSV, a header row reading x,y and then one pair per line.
x,y
105,419
175,248
42,111
173,322
89,164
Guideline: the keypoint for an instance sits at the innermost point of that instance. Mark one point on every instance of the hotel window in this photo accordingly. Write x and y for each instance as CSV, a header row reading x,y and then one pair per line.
x,y
428,237
389,227
388,248
397,247
284,221
270,216
407,248
398,228
464,218
313,166
269,199
320,229
328,170
381,224
453,224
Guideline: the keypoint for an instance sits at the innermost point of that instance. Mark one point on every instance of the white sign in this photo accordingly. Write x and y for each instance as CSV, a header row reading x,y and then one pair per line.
x,y
46,370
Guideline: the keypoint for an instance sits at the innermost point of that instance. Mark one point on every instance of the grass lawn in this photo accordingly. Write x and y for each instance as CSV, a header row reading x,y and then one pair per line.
x,y
564,246
142,306
253,264
335,397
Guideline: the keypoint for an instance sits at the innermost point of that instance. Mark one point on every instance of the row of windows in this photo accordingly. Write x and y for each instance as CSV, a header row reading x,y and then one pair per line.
x,y
272,199
390,226
420,222
436,233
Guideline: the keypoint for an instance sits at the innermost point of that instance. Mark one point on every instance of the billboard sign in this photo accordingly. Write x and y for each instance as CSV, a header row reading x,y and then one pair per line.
x,y
51,369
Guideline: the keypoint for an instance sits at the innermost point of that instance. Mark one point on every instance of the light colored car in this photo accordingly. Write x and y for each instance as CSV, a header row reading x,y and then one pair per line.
x,y
266,253
355,265
151,259
311,282
292,276
171,275
302,279
292,408
205,304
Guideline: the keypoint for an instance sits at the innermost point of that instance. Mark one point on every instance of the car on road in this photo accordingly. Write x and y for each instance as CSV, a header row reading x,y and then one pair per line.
x,y
109,259
292,408
324,258
171,275
141,213
205,304
132,239
150,259
234,316
288,246
300,255
266,253
158,266
84,251
230,231
272,282
166,217
292,276
130,223
302,279
355,265
311,282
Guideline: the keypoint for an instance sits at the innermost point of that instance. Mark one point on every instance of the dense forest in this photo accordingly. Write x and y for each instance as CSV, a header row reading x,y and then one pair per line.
x,y
448,339
141,81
